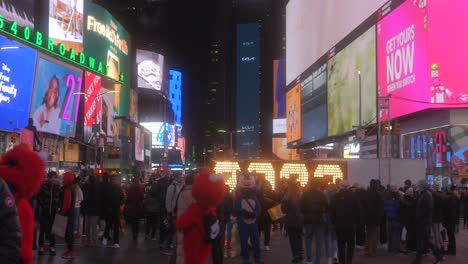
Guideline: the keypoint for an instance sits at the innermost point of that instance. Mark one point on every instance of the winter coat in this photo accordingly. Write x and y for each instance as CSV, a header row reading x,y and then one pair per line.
x,y
134,205
374,207
185,199
92,199
10,230
450,209
291,206
48,198
152,204
171,197
68,195
314,207
344,209
408,211
112,199
392,208
424,208
438,203
247,207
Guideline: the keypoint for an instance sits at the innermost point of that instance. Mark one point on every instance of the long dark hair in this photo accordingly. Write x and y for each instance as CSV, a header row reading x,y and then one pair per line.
x,y
44,100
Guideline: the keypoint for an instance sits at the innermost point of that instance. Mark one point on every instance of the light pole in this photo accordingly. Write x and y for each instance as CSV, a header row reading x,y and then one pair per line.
x,y
231,150
360,99
95,128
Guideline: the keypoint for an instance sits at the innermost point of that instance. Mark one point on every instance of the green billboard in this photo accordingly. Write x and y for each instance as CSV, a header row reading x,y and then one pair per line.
x,y
105,39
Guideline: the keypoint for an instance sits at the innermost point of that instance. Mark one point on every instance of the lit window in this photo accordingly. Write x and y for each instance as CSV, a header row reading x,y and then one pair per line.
x,y
333,170
295,168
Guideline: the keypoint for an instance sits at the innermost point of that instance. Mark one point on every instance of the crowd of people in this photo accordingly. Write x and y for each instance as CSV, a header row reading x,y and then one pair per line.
x,y
338,217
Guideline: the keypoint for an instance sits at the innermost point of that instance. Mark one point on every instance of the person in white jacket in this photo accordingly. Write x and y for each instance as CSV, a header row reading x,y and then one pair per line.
x,y
172,194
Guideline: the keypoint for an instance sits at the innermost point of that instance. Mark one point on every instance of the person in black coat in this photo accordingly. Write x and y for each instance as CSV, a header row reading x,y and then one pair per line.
x,y
344,214
112,199
375,212
450,220
408,214
10,230
91,207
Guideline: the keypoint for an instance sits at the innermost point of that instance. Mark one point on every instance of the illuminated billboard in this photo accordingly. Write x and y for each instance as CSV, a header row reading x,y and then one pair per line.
x,y
293,114
351,69
150,68
279,98
20,11
157,133
247,90
66,23
17,65
280,149
133,106
55,105
139,144
175,96
312,28
106,40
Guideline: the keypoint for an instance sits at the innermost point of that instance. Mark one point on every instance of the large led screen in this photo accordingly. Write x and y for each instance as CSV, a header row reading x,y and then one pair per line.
x,y
66,22
21,11
293,114
106,40
247,90
175,95
352,68
279,90
314,26
448,54
55,103
402,49
314,106
157,133
150,67
17,63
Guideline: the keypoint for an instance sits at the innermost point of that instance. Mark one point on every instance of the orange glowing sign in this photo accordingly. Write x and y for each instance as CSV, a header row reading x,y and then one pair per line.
x,y
293,114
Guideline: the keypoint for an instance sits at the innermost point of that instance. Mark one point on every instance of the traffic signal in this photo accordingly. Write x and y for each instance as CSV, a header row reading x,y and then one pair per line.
x,y
385,129
397,129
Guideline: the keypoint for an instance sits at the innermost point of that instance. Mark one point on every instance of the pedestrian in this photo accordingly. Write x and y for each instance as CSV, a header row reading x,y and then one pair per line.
x,y
152,209
361,226
344,216
450,220
223,213
294,221
408,214
171,209
113,199
330,234
424,216
162,185
247,208
437,216
67,199
184,200
465,208
374,205
314,206
10,236
266,197
77,208
91,208
134,208
48,199
392,212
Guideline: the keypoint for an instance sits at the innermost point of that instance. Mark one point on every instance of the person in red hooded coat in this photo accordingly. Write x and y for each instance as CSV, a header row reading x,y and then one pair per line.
x,y
23,170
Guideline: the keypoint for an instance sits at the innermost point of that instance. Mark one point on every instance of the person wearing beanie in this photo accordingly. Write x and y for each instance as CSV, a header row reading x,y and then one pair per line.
x,y
67,199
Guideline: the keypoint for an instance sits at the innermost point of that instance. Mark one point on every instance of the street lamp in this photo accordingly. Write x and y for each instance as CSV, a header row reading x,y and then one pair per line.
x,y
231,150
95,125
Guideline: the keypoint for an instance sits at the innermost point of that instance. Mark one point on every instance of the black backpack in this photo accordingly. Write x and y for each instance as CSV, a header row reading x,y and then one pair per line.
x,y
212,228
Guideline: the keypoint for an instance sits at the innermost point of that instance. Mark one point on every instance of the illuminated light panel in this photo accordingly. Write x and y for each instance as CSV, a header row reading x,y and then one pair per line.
x,y
329,170
226,167
295,168
267,169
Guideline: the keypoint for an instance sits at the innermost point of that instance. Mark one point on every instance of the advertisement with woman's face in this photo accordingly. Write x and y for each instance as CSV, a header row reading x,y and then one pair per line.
x,y
55,105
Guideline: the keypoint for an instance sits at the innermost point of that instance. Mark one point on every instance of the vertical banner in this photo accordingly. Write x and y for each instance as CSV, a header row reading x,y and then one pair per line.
x,y
293,114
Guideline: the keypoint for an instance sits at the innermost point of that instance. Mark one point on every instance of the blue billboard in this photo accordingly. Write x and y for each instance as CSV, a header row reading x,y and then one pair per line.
x,y
175,95
247,90
17,64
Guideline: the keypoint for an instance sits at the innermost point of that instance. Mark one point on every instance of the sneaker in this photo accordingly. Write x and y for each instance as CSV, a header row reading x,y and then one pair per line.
x,y
52,251
104,241
116,245
267,248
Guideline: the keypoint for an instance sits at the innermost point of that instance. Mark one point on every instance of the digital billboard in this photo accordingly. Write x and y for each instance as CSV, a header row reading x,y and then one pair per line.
x,y
279,98
314,105
106,40
281,151
139,145
175,96
92,99
351,69
247,90
402,62
157,133
133,106
66,22
17,64
293,114
55,104
20,11
150,68
312,28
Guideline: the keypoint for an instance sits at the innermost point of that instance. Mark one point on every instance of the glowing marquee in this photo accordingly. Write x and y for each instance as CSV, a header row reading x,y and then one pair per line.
x,y
38,40
265,168
333,170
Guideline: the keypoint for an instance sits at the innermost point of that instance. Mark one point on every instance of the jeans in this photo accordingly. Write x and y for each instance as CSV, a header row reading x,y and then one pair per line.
x,y
45,226
295,240
135,225
373,232
112,222
330,240
247,231
312,230
217,252
265,228
452,243
437,236
423,234
394,236
152,221
345,237
69,236
360,235
76,220
229,225
91,222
